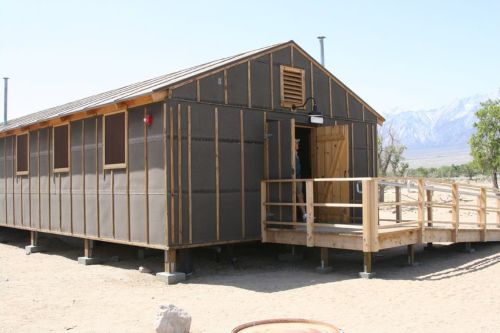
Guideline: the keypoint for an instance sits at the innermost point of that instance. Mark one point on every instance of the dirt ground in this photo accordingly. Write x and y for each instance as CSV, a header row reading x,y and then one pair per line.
x,y
450,291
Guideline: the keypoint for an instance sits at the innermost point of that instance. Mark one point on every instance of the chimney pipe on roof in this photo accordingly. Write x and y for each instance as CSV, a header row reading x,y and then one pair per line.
x,y
5,90
322,47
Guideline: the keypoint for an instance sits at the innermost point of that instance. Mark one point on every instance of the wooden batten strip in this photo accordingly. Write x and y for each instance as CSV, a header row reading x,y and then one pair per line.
x,y
279,170
266,147
172,183
312,79
29,187
113,202
242,163
21,199
217,193
5,176
49,178
292,163
70,180
292,58
225,87
83,181
38,176
179,173
368,128
352,162
249,77
60,200
165,173
146,178
198,93
14,154
347,104
189,170
330,96
374,149
127,174
97,174
271,74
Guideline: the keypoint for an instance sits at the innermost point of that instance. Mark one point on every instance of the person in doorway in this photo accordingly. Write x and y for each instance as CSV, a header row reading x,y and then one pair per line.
x,y
298,185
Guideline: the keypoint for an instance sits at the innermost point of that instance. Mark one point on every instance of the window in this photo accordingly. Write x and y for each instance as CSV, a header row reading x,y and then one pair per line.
x,y
61,147
292,86
22,153
115,140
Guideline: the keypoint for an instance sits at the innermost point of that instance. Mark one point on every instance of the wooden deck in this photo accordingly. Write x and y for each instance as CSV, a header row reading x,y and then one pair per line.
x,y
405,217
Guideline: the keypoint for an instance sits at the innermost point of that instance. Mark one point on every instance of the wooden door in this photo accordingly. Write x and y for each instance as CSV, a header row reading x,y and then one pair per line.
x,y
331,160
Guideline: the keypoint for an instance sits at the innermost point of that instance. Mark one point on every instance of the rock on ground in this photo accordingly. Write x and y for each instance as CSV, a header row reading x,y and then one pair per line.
x,y
171,319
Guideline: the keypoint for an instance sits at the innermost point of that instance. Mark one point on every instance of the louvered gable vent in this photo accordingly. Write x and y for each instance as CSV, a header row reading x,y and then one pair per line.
x,y
292,86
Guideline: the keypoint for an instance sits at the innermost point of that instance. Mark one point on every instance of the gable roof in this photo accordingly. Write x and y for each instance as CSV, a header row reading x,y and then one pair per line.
x,y
148,87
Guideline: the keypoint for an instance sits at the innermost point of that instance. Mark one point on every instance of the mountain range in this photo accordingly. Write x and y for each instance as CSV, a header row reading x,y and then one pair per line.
x,y
438,136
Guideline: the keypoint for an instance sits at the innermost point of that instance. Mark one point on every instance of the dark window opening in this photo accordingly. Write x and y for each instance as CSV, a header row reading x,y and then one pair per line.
x,y
22,152
115,140
61,148
304,135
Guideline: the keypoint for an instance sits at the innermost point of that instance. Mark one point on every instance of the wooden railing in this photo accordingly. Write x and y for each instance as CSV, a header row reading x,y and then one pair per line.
x,y
406,203
457,205
368,205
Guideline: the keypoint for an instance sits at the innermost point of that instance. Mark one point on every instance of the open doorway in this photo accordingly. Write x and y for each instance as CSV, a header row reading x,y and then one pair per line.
x,y
304,135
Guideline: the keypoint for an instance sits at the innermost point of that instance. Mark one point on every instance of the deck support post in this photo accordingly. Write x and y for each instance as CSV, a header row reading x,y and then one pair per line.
x,y
370,225
468,248
411,255
88,254
33,247
292,256
367,272
170,275
324,267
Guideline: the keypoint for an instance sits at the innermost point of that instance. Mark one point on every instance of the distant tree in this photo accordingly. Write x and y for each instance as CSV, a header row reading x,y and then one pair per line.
x,y
469,169
390,153
485,142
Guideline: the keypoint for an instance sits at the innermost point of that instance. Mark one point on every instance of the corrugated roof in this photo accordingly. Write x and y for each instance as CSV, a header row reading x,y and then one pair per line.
x,y
126,92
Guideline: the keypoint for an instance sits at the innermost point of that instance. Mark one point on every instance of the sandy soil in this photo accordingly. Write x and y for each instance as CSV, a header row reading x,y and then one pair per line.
x,y
450,291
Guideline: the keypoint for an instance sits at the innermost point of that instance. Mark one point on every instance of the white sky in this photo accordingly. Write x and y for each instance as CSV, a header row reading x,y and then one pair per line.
x,y
412,55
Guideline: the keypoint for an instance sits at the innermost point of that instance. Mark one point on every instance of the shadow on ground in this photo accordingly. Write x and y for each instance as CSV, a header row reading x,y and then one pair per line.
x,y
233,265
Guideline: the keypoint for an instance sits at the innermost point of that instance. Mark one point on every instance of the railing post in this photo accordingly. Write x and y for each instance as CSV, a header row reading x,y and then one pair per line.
x,y
430,215
455,210
429,208
421,206
263,211
481,216
370,215
398,206
310,212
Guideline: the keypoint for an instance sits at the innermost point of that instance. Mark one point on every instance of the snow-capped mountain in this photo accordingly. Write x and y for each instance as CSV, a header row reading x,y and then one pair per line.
x,y
438,136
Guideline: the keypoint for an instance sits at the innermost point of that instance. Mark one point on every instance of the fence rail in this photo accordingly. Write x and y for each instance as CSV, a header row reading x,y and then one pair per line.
x,y
382,204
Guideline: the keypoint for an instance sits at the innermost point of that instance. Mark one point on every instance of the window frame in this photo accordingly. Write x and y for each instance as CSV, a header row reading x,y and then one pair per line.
x,y
114,165
27,171
286,103
66,169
